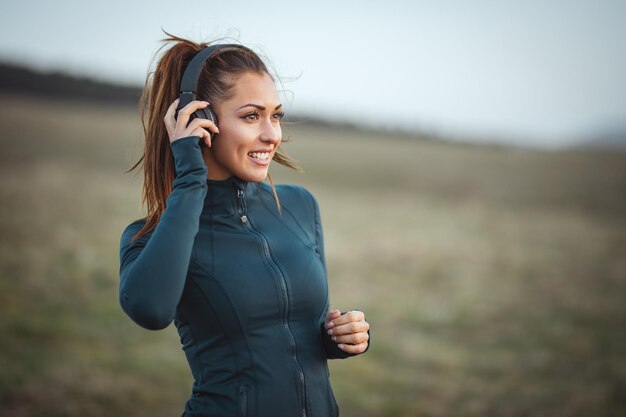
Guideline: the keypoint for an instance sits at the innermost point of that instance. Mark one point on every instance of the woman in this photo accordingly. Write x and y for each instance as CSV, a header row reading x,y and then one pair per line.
x,y
237,264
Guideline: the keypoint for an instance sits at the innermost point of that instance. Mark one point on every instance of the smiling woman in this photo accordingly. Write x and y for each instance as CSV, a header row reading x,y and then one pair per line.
x,y
243,278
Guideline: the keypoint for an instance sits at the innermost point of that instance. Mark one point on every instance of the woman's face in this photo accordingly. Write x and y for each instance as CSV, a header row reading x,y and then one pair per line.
x,y
250,132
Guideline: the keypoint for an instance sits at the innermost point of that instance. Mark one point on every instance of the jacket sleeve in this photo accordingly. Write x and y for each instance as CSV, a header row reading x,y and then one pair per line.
x,y
153,269
332,350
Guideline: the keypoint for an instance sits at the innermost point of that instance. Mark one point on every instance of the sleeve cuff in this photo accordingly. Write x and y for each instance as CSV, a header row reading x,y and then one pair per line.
x,y
187,154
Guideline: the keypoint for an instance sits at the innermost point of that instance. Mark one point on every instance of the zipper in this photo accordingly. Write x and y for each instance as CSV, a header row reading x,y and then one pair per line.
x,y
283,285
243,402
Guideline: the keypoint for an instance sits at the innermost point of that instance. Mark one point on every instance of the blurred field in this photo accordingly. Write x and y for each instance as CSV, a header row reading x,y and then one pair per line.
x,y
494,279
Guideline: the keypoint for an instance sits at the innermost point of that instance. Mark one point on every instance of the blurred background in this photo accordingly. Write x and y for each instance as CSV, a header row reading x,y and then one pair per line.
x,y
470,164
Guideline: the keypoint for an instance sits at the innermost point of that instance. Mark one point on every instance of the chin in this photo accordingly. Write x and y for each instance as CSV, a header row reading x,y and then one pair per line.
x,y
255,177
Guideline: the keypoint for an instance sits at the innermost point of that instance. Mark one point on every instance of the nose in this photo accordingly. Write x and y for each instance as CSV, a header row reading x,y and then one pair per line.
x,y
271,132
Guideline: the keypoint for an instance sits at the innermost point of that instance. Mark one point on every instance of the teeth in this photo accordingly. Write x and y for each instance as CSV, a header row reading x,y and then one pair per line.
x,y
260,155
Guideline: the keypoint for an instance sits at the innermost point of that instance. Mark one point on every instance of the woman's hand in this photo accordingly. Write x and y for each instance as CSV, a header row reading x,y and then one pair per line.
x,y
177,128
349,330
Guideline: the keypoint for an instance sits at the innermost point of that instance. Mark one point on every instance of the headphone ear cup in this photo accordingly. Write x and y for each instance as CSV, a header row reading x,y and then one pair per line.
x,y
206,113
213,114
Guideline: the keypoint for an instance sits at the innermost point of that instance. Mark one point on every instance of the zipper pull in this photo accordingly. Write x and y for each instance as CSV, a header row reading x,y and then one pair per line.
x,y
240,195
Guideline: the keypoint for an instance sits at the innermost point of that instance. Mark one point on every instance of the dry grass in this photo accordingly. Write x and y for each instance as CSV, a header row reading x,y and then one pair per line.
x,y
494,279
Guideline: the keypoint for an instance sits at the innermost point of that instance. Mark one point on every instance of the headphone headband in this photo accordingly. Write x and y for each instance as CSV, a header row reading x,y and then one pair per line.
x,y
189,83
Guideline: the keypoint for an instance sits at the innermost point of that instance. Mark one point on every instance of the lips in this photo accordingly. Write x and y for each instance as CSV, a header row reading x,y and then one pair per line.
x,y
260,157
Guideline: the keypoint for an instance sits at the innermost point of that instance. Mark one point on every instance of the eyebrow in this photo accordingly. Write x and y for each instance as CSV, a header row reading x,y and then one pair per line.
x,y
258,106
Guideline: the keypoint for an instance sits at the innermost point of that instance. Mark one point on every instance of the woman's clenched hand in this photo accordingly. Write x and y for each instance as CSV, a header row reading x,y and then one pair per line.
x,y
349,330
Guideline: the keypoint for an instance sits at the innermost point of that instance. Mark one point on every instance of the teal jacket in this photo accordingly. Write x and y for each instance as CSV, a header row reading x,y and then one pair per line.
x,y
246,288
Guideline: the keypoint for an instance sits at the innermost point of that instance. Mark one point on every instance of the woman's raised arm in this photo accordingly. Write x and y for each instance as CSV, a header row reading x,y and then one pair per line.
x,y
153,269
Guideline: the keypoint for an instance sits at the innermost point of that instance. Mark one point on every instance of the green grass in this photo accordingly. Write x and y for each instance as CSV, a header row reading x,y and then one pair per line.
x,y
493,278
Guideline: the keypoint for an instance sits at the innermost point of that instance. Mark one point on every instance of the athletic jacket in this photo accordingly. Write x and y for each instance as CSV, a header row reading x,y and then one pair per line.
x,y
246,288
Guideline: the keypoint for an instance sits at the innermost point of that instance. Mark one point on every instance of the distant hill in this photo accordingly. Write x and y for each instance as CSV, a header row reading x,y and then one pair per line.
x,y
22,80
617,142
19,79
611,137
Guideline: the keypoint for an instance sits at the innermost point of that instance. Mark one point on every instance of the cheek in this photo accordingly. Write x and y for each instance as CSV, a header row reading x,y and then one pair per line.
x,y
279,131
227,150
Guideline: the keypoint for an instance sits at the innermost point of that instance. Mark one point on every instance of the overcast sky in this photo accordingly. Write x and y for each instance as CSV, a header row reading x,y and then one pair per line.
x,y
542,73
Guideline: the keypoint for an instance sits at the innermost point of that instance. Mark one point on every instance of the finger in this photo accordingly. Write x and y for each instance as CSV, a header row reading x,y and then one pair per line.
x,y
353,315
205,123
207,140
202,134
360,348
185,113
169,119
172,108
353,327
333,314
353,339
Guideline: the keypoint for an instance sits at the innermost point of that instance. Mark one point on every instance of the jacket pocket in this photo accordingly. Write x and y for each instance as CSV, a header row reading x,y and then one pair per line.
x,y
243,402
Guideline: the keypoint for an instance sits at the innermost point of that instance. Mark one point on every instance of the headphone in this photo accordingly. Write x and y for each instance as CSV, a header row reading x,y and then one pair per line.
x,y
191,76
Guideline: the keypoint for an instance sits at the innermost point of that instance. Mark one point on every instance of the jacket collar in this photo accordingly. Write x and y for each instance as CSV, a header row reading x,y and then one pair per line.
x,y
222,196
230,183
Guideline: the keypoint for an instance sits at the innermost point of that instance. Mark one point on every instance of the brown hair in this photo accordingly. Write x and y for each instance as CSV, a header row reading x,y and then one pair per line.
x,y
161,89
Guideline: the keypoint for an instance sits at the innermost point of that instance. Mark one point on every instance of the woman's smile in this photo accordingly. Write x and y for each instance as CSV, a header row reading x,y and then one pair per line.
x,y
260,157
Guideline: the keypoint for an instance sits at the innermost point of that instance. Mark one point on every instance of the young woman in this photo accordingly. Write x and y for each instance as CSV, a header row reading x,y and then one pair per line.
x,y
237,264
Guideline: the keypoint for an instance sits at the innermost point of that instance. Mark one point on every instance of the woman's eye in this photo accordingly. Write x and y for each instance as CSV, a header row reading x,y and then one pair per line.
x,y
256,115
251,116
